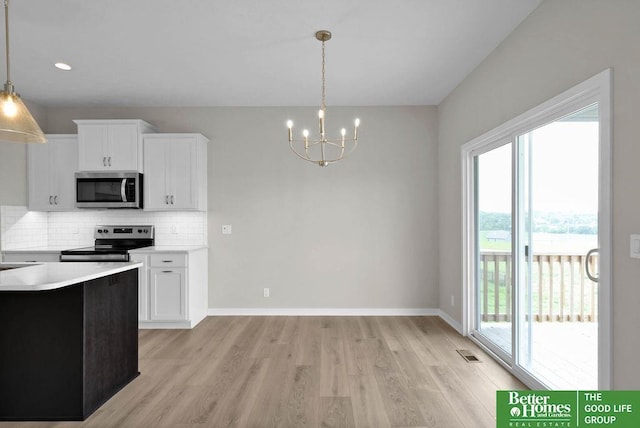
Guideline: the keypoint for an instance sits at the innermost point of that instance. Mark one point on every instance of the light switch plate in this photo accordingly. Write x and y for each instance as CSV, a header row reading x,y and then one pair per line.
x,y
226,229
635,247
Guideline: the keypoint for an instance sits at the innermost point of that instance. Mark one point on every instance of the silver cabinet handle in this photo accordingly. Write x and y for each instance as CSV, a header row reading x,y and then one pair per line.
x,y
171,199
167,271
586,265
50,200
166,199
167,261
104,161
55,199
109,160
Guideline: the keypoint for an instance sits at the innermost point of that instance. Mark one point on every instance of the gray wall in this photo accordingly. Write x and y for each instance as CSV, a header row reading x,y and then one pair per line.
x,y
560,44
361,233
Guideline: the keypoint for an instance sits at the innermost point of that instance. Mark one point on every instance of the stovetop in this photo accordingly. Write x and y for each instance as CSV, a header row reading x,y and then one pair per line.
x,y
113,240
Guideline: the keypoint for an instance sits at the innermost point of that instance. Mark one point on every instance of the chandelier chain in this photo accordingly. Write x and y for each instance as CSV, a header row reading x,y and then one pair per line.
x,y
324,107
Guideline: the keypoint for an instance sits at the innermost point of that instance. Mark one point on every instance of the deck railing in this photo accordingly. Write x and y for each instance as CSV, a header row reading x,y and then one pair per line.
x,y
560,288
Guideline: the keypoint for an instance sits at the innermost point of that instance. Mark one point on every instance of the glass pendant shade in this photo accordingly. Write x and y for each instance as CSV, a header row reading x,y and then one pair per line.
x,y
16,123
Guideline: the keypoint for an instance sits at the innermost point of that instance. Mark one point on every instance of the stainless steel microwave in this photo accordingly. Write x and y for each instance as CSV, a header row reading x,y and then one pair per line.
x,y
109,189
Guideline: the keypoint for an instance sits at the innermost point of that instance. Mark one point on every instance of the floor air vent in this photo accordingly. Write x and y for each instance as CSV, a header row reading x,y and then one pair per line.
x,y
468,356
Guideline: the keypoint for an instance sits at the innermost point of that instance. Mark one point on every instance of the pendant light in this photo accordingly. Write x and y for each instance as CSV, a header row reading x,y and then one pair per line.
x,y
16,123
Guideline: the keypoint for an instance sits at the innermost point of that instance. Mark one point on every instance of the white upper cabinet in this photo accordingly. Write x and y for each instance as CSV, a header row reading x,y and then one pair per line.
x,y
51,173
175,168
111,145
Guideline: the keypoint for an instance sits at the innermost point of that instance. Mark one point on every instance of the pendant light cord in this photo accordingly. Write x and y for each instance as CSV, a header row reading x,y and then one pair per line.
x,y
6,38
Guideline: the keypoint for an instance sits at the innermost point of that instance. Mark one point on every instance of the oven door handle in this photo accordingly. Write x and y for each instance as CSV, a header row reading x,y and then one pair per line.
x,y
123,190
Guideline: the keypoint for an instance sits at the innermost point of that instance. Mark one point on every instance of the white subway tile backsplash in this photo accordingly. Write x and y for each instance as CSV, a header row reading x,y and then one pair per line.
x,y
20,228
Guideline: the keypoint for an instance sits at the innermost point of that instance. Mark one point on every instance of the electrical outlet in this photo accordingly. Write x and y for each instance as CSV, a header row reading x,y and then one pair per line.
x,y
266,292
453,302
174,229
226,229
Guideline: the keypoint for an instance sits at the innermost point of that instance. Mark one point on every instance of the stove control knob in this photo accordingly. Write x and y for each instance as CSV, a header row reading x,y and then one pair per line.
x,y
146,231
99,230
105,231
139,230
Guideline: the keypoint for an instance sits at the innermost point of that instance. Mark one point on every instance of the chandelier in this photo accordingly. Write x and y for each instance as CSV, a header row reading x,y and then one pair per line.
x,y
323,151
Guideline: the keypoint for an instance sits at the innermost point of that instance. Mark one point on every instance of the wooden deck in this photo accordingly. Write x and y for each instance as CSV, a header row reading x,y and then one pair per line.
x,y
565,354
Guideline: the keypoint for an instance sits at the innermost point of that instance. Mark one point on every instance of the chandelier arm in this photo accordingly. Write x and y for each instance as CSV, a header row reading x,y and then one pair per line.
x,y
311,143
338,144
302,156
322,144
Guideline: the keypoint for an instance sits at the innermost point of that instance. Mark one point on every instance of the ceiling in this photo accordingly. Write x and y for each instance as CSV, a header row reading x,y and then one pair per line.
x,y
252,52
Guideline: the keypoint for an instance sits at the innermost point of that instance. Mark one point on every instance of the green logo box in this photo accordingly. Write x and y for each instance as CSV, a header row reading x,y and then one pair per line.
x,y
546,409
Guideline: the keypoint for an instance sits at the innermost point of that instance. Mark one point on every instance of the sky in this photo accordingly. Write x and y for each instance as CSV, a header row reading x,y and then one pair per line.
x,y
564,170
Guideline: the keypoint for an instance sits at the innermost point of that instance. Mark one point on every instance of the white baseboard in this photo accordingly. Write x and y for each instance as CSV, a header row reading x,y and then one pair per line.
x,y
323,312
453,323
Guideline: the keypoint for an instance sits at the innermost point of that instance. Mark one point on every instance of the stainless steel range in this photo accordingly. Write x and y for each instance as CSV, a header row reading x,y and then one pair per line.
x,y
112,244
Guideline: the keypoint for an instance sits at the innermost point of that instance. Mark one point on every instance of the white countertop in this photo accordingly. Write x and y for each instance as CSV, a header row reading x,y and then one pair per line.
x,y
153,249
50,276
43,249
169,249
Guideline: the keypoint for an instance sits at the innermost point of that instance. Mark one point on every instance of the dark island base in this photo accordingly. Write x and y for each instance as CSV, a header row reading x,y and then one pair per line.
x,y
65,352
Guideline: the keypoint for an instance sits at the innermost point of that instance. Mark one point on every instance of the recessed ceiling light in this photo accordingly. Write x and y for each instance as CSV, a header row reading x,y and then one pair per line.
x,y
62,66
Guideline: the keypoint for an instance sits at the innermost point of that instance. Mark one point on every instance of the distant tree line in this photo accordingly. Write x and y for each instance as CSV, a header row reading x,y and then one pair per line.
x,y
581,224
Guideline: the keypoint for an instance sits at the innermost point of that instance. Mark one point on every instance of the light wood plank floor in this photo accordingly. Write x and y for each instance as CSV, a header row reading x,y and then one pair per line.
x,y
305,372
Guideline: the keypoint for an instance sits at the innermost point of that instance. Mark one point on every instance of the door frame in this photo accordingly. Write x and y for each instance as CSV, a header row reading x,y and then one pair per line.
x,y
596,89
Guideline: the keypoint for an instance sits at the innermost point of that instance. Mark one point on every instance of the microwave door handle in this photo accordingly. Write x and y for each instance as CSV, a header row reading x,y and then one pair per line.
x,y
123,190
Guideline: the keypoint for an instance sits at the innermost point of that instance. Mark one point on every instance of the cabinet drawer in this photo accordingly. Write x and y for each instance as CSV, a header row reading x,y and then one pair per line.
x,y
168,260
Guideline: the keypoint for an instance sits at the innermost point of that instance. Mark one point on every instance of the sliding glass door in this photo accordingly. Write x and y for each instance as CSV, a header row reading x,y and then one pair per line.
x,y
494,219
535,238
558,173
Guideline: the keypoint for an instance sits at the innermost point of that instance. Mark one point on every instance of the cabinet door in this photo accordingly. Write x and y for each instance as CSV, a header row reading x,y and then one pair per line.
x,y
143,286
93,148
168,294
182,174
122,153
51,174
40,192
156,196
63,165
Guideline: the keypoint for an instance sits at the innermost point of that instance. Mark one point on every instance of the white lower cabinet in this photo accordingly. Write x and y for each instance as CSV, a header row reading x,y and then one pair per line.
x,y
172,288
167,292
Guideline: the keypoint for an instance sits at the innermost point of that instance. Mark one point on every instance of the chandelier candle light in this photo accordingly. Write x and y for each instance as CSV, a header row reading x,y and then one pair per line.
x,y
329,150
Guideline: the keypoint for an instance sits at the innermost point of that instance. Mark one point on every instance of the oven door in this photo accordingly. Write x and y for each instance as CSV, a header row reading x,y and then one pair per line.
x,y
108,190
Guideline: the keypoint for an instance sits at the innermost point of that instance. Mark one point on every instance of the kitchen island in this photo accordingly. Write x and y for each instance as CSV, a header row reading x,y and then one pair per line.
x,y
68,337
